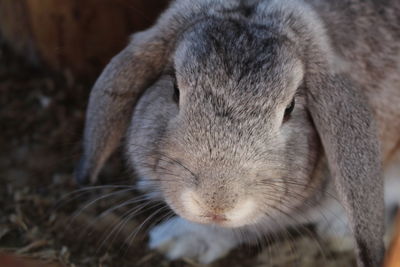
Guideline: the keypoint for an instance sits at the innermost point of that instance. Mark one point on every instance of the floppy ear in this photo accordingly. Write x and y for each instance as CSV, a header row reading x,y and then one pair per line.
x,y
346,126
127,75
111,102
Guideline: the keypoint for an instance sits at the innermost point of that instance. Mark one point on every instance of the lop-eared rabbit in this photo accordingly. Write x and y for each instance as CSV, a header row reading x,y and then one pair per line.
x,y
243,115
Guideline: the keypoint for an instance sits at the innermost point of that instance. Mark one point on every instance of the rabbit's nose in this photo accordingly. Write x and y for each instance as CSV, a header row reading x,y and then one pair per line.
x,y
216,217
197,208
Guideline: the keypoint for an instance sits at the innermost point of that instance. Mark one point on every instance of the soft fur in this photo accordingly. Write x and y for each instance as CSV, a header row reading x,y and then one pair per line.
x,y
224,157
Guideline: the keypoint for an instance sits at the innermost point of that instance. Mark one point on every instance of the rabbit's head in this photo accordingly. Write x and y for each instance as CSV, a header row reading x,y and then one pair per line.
x,y
225,135
242,104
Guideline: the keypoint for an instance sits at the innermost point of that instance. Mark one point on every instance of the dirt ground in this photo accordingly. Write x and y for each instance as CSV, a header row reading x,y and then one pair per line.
x,y
45,215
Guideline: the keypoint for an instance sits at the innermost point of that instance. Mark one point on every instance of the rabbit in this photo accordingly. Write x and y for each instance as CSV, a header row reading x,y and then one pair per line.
x,y
244,115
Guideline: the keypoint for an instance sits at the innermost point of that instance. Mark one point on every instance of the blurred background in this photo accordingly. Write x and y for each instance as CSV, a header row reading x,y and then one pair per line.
x,y
73,35
51,52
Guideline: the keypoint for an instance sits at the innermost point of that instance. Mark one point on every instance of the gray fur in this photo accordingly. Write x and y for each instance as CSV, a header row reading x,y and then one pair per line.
x,y
238,65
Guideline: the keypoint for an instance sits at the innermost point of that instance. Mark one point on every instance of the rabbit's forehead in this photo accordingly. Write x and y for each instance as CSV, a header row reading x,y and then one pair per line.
x,y
237,58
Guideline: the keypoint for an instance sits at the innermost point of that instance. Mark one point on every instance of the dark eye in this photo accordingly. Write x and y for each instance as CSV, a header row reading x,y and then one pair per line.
x,y
176,93
289,110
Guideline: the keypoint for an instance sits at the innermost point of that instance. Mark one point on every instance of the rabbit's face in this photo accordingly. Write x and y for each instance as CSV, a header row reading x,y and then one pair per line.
x,y
227,138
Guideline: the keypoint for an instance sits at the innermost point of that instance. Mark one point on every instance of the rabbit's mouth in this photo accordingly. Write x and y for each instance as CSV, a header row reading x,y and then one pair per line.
x,y
229,215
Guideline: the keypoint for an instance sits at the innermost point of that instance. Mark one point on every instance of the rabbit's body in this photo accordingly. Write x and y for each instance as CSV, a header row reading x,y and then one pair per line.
x,y
258,111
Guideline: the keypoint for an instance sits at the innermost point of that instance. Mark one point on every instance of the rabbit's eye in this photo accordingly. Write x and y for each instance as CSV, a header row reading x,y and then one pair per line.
x,y
176,94
289,110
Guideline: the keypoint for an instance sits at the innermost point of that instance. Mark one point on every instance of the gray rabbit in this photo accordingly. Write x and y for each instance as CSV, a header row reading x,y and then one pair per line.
x,y
250,112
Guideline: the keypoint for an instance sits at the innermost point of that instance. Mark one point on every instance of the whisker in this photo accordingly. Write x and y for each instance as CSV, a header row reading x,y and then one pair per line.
x,y
132,236
125,218
78,212
109,210
89,189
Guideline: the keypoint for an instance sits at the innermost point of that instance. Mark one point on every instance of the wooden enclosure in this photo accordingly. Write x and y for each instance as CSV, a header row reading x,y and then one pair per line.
x,y
75,35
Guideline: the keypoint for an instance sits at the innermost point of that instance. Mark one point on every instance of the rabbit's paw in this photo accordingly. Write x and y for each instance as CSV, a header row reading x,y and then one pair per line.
x,y
178,238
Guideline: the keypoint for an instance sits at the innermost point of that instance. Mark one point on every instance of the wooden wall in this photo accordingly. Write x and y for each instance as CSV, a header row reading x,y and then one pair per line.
x,y
75,35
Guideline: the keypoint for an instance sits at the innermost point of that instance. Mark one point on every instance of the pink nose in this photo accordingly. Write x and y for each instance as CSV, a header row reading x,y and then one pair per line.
x,y
216,217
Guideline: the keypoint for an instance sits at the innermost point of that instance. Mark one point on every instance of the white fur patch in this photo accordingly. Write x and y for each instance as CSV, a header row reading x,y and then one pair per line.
x,y
178,238
241,212
191,203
